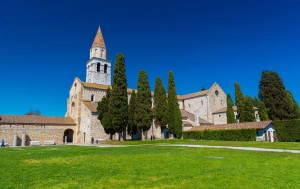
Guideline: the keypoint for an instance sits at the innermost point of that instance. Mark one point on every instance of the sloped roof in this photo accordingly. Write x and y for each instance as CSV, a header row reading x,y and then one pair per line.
x,y
192,95
235,108
92,106
222,110
99,41
248,125
32,119
96,86
190,116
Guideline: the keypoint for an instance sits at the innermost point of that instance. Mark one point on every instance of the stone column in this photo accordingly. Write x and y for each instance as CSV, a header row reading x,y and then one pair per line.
x,y
66,139
15,139
23,139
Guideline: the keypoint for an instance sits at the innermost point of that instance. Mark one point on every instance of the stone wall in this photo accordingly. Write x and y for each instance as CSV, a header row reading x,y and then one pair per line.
x,y
33,133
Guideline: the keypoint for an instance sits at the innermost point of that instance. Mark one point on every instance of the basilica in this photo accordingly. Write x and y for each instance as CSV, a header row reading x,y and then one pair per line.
x,y
205,108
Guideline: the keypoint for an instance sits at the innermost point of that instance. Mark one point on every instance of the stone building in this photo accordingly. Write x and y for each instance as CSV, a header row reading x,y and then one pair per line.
x,y
203,108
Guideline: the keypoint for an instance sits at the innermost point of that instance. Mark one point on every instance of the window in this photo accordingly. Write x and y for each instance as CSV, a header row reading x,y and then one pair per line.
x,y
92,97
217,92
221,102
98,67
102,53
105,68
73,104
201,102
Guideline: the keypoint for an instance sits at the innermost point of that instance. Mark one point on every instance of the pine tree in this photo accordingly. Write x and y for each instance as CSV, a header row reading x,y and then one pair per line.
x,y
240,102
230,113
273,93
174,114
118,103
143,116
249,111
160,109
132,128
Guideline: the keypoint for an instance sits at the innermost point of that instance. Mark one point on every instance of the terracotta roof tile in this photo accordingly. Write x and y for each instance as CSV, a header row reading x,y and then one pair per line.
x,y
99,41
190,116
222,110
92,106
248,125
30,119
192,95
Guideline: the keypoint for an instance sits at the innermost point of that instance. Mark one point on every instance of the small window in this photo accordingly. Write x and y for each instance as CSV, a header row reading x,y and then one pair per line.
x,y
217,92
98,67
219,115
105,68
92,97
73,104
221,102
201,102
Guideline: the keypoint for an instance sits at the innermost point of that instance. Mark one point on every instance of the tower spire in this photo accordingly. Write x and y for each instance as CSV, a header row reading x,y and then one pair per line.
x,y
99,41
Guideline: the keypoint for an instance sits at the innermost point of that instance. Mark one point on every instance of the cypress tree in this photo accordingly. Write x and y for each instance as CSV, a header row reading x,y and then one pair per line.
x,y
143,116
294,105
132,128
160,109
240,102
249,111
263,112
174,114
102,107
118,103
230,113
104,116
273,93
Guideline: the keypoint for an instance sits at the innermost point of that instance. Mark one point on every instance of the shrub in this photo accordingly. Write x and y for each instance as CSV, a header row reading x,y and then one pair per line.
x,y
287,130
226,135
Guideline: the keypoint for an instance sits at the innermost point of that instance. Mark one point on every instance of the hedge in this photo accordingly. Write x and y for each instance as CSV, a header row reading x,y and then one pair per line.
x,y
226,135
287,130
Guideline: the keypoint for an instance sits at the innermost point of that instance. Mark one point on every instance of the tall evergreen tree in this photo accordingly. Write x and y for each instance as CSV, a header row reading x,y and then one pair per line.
x,y
294,105
160,109
102,107
263,112
273,93
132,128
104,116
249,111
230,113
239,102
118,103
143,116
174,114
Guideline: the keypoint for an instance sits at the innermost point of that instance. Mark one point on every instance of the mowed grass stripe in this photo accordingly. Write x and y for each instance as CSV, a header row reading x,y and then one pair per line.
x,y
146,167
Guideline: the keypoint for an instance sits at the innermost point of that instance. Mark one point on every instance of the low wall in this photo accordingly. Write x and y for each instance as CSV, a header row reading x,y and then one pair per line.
x,y
33,133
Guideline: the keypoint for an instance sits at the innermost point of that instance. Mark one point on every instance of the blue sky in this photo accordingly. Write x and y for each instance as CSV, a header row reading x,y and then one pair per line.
x,y
44,45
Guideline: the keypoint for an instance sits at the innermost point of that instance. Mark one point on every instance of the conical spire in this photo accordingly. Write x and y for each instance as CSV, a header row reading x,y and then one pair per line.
x,y
98,41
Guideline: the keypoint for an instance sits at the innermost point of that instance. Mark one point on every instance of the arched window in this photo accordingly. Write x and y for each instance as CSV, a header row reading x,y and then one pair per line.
x,y
73,104
102,53
98,67
105,68
92,97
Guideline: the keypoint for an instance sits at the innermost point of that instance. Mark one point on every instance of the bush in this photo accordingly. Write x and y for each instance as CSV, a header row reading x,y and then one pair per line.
x,y
226,135
287,130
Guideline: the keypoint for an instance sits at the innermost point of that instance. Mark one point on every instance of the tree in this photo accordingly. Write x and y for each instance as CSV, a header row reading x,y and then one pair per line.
x,y
248,110
230,113
203,88
240,102
174,114
160,110
102,107
263,112
118,102
273,93
132,128
143,116
104,116
294,105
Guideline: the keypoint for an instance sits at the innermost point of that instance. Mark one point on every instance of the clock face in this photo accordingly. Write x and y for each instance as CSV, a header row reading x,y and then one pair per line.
x,y
217,92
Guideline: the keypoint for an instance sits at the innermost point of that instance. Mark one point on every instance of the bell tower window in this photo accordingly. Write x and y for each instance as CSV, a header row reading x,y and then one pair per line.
x,y
98,67
105,68
92,98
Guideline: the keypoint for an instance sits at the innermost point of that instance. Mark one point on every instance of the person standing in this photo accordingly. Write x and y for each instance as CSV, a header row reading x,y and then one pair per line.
x,y
2,143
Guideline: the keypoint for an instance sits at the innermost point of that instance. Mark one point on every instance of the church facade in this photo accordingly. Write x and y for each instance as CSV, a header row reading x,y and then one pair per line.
x,y
80,124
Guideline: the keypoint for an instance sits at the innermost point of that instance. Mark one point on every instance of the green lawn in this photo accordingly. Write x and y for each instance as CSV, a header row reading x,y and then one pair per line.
x,y
146,167
275,145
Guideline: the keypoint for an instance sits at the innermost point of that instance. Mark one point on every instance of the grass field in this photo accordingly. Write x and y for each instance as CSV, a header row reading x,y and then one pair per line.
x,y
145,167
275,145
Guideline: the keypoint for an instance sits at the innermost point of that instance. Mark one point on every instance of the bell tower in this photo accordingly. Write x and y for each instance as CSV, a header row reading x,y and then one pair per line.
x,y
98,67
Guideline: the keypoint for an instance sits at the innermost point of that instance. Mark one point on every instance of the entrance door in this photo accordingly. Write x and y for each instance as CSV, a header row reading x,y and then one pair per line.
x,y
68,135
